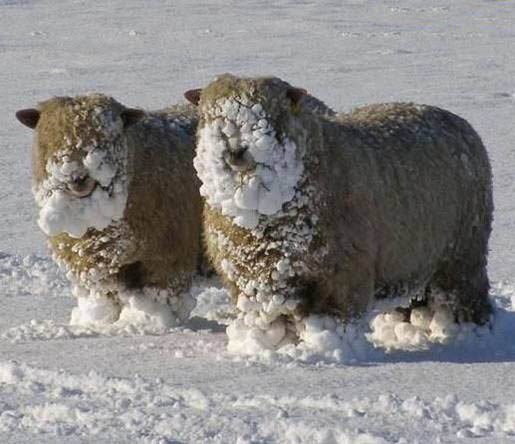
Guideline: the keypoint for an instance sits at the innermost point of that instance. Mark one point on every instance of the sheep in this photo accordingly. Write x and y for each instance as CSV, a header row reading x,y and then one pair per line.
x,y
316,214
119,203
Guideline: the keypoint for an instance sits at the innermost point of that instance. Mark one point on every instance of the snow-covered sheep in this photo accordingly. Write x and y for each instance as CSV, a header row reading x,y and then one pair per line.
x,y
119,202
311,214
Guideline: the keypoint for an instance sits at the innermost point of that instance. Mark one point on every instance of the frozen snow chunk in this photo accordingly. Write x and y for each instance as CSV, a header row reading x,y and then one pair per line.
x,y
282,265
257,109
64,213
249,340
94,158
248,219
145,312
390,331
408,334
94,309
442,326
246,305
320,333
421,317
265,189
247,196
229,129
68,168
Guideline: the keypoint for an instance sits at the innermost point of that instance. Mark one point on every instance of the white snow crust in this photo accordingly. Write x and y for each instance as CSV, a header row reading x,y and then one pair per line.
x,y
94,405
327,338
42,402
60,210
133,384
273,171
150,309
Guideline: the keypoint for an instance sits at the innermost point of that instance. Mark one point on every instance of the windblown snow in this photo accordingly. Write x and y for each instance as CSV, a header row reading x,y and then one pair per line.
x,y
72,405
69,405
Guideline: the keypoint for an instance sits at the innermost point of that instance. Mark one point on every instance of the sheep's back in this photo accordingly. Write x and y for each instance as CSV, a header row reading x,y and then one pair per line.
x,y
408,183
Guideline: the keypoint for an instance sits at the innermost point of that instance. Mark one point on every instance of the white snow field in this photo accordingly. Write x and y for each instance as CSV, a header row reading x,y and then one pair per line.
x,y
126,382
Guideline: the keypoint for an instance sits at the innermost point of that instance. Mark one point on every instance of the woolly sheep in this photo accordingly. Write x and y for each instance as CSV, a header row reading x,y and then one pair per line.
x,y
119,202
312,214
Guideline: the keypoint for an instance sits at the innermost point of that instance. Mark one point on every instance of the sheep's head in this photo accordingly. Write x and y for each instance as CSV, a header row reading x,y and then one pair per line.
x,y
79,161
249,145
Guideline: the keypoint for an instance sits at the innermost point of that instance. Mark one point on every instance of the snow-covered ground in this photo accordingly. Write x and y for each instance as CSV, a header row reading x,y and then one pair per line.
x,y
124,383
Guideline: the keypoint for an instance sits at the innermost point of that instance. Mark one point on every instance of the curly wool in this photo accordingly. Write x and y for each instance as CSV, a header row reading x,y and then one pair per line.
x,y
388,197
140,226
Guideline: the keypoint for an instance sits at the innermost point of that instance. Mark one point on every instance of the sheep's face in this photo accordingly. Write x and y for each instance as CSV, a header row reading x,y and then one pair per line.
x,y
80,164
249,148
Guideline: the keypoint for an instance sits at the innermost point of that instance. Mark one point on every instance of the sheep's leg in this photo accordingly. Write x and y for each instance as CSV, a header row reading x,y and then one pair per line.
x,y
418,296
347,293
132,276
463,281
464,286
359,295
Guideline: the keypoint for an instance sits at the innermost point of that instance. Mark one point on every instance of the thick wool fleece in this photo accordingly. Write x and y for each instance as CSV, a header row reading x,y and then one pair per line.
x,y
309,213
139,229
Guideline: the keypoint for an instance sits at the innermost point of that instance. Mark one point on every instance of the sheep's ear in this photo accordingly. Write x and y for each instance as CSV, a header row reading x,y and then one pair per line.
x,y
193,96
295,94
131,115
29,117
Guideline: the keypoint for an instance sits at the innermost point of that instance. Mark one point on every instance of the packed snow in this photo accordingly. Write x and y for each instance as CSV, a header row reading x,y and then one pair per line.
x,y
261,179
137,379
153,308
62,210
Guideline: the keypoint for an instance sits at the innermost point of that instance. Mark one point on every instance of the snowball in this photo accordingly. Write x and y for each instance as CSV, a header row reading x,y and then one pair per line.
x,y
390,331
99,169
320,335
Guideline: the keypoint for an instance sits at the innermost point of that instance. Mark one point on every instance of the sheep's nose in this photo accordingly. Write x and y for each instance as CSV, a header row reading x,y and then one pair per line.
x,y
81,185
239,159
78,180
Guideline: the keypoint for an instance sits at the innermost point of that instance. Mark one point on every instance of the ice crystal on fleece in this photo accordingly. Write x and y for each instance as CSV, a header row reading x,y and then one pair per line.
x,y
96,257
273,168
106,163
266,299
